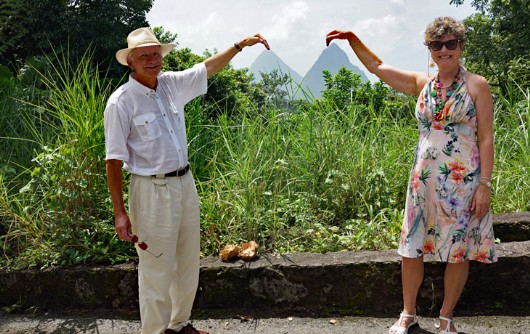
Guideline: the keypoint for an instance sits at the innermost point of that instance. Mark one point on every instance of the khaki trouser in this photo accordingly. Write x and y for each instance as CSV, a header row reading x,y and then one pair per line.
x,y
164,213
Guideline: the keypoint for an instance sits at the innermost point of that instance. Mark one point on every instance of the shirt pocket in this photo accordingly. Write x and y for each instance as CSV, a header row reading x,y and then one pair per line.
x,y
178,115
147,126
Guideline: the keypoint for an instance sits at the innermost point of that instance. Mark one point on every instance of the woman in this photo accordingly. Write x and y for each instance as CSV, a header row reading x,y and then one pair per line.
x,y
447,213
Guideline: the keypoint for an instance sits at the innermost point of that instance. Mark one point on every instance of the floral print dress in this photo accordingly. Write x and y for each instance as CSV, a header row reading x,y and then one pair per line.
x,y
443,180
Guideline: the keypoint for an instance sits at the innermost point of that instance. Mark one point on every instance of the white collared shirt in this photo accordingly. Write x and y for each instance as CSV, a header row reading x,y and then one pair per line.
x,y
145,128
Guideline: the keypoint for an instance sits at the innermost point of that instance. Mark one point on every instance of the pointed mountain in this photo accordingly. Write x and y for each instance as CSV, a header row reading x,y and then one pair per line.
x,y
331,59
268,61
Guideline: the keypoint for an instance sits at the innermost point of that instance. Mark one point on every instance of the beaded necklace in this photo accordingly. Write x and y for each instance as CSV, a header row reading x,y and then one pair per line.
x,y
437,95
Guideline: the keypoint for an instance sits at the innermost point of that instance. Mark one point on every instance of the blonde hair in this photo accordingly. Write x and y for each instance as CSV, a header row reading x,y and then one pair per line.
x,y
442,26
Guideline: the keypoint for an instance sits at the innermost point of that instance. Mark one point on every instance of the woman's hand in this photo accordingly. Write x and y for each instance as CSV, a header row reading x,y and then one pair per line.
x,y
480,204
341,34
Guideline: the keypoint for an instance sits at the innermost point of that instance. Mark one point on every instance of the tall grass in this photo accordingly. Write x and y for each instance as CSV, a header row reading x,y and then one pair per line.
x,y
12,111
324,180
511,177
317,180
60,214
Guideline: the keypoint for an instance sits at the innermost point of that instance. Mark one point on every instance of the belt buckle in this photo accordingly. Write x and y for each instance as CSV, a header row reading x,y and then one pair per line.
x,y
160,176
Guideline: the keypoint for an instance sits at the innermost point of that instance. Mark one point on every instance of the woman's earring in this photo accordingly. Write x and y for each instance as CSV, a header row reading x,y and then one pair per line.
x,y
430,63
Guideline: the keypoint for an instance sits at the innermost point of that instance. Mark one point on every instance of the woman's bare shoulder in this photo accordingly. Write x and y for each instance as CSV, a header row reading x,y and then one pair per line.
x,y
476,84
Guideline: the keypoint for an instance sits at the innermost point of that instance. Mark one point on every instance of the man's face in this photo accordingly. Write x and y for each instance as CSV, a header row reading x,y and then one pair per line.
x,y
146,63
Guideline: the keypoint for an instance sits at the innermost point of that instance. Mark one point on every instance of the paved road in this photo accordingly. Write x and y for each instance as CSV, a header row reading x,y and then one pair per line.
x,y
87,324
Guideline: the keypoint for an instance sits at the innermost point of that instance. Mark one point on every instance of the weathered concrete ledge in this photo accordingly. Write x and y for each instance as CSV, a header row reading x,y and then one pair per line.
x,y
510,227
359,283
347,283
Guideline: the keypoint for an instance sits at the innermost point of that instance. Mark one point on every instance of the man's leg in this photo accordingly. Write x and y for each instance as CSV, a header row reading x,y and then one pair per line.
x,y
185,277
150,213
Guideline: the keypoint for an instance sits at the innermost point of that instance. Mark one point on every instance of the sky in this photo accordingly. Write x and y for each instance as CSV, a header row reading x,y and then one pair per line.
x,y
296,30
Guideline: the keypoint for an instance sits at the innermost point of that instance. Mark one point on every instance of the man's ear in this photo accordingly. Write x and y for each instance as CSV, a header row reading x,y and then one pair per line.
x,y
129,61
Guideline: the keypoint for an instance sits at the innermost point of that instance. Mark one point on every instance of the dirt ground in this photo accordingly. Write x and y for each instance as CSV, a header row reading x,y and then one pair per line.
x,y
16,324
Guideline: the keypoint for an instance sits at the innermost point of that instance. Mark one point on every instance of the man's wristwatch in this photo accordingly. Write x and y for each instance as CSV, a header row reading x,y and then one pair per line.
x,y
238,48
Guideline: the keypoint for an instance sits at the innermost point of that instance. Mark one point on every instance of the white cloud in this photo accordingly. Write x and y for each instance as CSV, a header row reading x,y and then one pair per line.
x,y
285,23
203,28
379,27
293,12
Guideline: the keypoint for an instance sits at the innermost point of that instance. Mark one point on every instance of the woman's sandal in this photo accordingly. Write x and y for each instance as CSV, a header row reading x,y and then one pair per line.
x,y
447,329
398,329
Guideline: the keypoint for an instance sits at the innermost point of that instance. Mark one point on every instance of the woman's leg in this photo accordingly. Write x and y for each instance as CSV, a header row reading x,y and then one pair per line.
x,y
411,278
455,279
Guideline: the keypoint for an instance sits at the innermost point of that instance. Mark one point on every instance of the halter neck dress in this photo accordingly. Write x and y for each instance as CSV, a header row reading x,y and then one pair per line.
x,y
444,177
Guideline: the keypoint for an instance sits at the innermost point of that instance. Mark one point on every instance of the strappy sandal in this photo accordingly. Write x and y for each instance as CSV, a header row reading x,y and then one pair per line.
x,y
447,329
398,329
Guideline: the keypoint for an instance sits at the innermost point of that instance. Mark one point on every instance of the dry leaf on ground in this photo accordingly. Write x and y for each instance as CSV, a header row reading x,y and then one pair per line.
x,y
248,250
229,252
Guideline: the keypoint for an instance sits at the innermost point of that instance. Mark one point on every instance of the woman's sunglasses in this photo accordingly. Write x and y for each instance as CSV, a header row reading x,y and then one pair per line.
x,y
438,45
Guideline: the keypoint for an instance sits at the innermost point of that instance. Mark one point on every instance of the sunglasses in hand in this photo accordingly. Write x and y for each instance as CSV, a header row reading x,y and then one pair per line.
x,y
438,45
143,246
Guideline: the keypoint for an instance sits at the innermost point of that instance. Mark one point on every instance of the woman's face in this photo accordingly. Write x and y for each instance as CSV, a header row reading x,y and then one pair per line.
x,y
446,51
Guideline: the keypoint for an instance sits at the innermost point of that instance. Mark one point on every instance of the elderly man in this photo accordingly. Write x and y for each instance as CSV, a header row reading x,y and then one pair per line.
x,y
145,134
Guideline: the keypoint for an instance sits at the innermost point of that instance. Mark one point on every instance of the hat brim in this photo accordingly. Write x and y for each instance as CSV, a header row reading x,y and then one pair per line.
x,y
122,54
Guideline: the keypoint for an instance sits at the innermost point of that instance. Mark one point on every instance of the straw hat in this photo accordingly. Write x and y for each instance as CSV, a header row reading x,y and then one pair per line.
x,y
139,38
